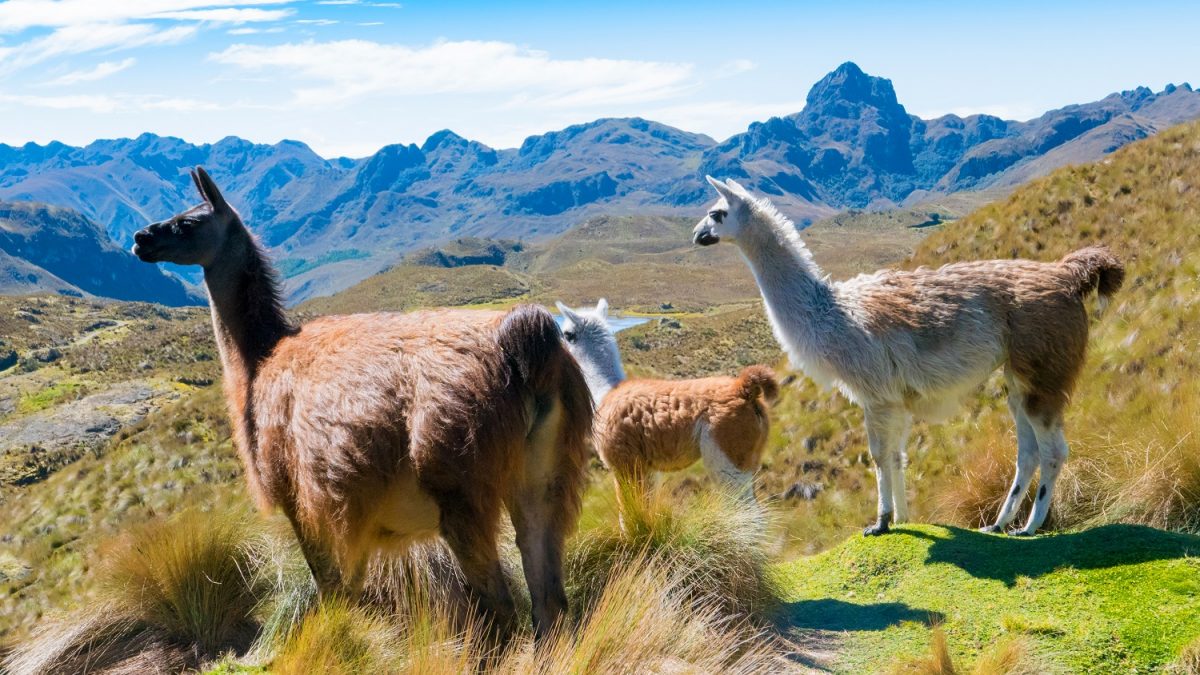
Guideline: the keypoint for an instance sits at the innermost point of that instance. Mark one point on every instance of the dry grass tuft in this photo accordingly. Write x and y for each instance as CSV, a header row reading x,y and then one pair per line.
x,y
1008,656
171,594
1188,662
715,545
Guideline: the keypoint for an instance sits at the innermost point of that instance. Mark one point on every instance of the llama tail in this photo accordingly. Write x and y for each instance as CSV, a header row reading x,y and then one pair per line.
x,y
755,381
1096,268
541,366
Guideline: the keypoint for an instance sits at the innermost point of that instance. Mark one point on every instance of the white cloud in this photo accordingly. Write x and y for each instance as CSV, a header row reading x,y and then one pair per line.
x,y
17,15
78,39
227,15
254,31
721,119
99,72
318,22
734,67
105,103
341,70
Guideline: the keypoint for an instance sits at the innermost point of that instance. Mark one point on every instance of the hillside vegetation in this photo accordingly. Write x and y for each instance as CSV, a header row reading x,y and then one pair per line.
x,y
1114,591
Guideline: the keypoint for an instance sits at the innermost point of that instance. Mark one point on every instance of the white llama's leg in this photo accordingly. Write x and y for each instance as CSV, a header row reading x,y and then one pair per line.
x,y
1027,460
883,423
899,493
1053,451
723,471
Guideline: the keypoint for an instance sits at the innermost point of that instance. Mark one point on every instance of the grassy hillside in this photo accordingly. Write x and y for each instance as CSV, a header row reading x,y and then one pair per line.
x,y
1114,599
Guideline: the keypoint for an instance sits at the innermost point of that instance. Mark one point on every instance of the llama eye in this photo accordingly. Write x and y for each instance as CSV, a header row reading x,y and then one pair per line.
x,y
570,335
718,216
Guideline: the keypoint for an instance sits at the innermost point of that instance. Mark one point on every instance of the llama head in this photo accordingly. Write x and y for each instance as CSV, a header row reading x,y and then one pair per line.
x,y
726,217
594,345
193,237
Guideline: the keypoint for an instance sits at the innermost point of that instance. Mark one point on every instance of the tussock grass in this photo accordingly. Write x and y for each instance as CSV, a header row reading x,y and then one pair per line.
x,y
171,593
684,588
1008,656
717,546
1188,662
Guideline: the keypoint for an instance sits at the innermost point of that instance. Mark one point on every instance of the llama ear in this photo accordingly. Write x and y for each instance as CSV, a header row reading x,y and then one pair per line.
x,y
723,189
602,308
736,187
566,312
209,189
196,182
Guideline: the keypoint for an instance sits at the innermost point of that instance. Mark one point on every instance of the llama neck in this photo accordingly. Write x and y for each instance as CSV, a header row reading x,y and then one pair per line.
x,y
247,313
602,372
790,281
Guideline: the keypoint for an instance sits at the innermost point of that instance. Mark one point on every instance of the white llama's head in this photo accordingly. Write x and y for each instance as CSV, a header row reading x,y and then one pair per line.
x,y
726,217
594,345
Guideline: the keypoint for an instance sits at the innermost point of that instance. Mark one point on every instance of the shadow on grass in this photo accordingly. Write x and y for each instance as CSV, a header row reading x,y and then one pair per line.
x,y
835,615
1004,558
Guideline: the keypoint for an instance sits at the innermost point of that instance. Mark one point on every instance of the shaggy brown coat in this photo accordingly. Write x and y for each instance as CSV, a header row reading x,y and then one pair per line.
x,y
658,425
372,431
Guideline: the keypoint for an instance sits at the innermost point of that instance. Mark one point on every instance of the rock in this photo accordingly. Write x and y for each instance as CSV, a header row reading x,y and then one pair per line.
x,y
8,359
48,355
805,491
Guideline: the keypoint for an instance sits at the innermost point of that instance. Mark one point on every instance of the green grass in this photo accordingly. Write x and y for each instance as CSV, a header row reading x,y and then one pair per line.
x,y
50,396
1117,598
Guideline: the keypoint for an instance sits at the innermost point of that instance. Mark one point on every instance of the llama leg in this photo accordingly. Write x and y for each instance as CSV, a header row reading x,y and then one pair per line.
x,y
881,426
1053,450
471,535
1027,458
537,510
899,493
726,474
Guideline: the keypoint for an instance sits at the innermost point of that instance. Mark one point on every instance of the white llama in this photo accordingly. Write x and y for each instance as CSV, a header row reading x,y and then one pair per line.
x,y
907,345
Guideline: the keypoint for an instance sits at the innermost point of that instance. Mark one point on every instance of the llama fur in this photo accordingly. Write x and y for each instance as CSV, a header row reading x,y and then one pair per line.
x,y
644,426
373,431
909,345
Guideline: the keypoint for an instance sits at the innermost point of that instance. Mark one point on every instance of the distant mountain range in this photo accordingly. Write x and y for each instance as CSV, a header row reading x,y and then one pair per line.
x,y
49,248
333,222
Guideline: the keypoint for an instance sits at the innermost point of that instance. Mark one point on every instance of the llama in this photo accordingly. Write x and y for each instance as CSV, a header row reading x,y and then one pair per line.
x,y
373,431
643,426
907,345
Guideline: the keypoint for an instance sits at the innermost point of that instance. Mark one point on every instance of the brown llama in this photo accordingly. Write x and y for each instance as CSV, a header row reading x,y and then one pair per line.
x,y
643,426
372,431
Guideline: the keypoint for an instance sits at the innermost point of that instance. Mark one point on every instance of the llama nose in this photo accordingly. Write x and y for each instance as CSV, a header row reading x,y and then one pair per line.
x,y
141,237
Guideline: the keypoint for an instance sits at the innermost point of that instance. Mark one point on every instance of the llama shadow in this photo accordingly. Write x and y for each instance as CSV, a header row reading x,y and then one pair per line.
x,y
1005,558
834,615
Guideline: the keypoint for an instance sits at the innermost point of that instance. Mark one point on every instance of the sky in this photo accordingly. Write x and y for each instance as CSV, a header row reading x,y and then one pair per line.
x,y
350,76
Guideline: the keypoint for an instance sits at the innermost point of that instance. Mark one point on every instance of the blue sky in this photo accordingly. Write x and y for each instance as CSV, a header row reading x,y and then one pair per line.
x,y
348,76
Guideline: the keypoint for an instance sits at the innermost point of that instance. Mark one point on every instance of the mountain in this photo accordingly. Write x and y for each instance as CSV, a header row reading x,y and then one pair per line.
x,y
50,248
334,222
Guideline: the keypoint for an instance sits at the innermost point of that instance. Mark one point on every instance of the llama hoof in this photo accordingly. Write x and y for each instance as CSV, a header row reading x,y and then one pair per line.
x,y
876,530
1021,533
881,526
991,529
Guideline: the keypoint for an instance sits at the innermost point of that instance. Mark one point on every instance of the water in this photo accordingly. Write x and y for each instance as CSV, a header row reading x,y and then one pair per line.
x,y
618,323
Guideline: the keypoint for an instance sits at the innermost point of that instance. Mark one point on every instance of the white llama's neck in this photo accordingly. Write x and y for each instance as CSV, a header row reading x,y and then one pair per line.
x,y
799,301
602,369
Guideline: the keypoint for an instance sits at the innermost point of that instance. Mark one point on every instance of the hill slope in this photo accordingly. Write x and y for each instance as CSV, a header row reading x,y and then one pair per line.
x,y
71,248
1114,599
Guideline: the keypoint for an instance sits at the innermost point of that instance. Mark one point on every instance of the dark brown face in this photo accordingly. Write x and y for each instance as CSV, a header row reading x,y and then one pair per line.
x,y
189,238
193,237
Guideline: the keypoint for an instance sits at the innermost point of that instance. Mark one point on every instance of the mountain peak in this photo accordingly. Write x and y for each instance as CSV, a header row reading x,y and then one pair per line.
x,y
849,84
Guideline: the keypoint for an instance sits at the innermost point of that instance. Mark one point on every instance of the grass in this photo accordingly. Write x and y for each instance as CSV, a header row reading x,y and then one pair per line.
x,y
215,588
1118,598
